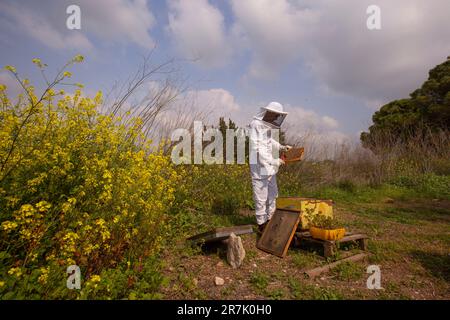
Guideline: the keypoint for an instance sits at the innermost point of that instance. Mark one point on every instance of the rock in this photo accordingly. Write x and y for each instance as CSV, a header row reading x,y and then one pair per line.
x,y
219,281
235,251
388,200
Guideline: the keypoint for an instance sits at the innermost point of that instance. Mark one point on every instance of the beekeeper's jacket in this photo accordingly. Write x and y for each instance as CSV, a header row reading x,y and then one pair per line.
x,y
264,147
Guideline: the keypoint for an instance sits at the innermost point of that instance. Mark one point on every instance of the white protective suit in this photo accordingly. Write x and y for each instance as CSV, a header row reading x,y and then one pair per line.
x,y
264,161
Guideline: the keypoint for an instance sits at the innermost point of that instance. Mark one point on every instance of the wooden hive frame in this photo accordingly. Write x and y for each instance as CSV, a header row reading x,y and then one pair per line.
x,y
279,232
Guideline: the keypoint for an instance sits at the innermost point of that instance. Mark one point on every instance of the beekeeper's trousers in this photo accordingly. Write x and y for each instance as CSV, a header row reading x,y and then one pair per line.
x,y
265,193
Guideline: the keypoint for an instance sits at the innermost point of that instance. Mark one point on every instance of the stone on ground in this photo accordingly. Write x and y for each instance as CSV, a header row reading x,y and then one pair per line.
x,y
219,281
235,251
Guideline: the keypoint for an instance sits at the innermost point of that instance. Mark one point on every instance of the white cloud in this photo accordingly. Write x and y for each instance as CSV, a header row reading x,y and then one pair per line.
x,y
330,122
195,105
219,102
112,21
273,31
303,126
318,134
331,38
211,104
306,120
214,103
198,30
41,29
119,21
383,64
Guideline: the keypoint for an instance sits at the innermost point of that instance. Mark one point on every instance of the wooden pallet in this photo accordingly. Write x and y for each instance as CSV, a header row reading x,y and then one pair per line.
x,y
330,247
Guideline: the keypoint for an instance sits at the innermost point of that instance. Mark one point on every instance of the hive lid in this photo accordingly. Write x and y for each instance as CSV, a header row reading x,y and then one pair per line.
x,y
218,234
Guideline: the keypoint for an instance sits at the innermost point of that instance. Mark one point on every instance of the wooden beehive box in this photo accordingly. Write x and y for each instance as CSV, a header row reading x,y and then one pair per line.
x,y
307,207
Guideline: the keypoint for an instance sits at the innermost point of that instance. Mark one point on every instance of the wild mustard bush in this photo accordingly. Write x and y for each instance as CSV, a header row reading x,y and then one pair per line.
x,y
76,187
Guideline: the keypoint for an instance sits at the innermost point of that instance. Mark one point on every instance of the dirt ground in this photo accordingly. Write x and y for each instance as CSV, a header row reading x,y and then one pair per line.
x,y
409,241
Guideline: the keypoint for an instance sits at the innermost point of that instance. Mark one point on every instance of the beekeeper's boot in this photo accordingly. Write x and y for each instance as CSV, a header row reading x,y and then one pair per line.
x,y
261,227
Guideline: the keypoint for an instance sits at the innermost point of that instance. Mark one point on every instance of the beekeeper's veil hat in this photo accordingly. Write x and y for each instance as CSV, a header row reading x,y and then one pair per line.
x,y
274,107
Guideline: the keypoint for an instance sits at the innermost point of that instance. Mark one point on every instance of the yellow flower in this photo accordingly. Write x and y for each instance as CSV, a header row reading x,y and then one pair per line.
x,y
100,222
107,175
68,205
44,275
95,278
43,206
11,68
9,226
33,257
37,62
15,271
78,58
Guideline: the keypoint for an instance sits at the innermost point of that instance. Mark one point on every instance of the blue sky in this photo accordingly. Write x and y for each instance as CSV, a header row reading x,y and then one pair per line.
x,y
316,57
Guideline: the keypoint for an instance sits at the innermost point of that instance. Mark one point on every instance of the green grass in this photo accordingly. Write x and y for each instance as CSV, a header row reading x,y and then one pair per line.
x,y
250,254
228,290
431,187
348,271
276,294
303,260
443,238
436,264
303,291
259,282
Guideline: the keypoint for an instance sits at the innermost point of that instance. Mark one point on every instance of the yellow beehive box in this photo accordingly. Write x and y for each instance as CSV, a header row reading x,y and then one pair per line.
x,y
308,208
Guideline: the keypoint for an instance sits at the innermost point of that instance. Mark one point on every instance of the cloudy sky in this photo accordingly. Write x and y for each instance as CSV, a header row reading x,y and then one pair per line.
x,y
316,57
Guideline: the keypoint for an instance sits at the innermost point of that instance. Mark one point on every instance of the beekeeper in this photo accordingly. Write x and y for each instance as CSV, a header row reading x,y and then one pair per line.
x,y
265,160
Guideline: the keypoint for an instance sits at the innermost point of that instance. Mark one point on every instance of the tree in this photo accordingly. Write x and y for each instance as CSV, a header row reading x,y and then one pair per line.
x,y
428,108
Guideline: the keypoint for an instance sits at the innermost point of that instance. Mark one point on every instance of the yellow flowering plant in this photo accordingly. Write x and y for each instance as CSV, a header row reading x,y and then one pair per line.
x,y
77,186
